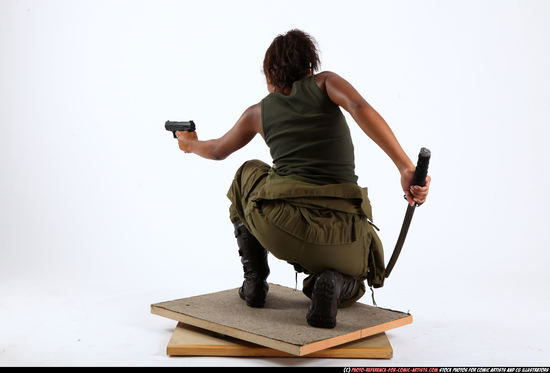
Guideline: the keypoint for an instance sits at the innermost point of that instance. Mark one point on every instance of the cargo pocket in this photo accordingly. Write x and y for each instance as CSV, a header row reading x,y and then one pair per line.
x,y
316,226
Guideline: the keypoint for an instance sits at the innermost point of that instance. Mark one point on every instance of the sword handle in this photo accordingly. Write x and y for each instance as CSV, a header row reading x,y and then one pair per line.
x,y
421,171
422,167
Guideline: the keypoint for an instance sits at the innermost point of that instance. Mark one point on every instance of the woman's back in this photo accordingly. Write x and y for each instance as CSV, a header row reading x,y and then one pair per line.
x,y
307,135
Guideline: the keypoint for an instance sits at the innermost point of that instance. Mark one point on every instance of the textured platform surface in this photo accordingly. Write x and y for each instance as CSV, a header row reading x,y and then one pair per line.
x,y
281,324
189,340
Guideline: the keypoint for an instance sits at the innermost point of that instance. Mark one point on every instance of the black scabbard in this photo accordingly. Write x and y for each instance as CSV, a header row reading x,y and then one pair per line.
x,y
419,179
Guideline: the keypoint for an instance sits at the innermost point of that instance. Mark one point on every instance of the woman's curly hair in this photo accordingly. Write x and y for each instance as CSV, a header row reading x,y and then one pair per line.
x,y
289,58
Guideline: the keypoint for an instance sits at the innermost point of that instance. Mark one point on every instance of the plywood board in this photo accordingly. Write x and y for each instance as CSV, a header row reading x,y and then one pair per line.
x,y
189,340
281,324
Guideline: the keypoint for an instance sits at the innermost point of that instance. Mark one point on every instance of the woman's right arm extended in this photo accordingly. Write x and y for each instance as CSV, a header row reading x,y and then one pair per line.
x,y
343,94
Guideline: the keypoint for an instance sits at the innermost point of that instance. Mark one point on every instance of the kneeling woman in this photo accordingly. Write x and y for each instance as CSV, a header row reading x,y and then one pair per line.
x,y
307,209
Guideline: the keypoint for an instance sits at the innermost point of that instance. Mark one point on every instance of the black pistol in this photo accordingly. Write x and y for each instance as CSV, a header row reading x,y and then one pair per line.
x,y
179,126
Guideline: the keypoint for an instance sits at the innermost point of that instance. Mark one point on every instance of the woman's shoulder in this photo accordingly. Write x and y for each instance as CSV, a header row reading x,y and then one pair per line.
x,y
321,78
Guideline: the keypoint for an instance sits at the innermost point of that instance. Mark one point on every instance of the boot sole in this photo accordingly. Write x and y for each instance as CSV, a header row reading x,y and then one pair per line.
x,y
323,308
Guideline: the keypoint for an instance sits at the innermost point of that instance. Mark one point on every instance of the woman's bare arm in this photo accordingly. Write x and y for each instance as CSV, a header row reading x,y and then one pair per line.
x,y
343,94
248,125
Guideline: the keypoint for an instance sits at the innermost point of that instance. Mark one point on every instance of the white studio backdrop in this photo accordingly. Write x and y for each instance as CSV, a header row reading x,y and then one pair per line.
x,y
98,204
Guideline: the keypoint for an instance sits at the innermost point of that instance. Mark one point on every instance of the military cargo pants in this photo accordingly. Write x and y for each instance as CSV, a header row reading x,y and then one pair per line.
x,y
314,227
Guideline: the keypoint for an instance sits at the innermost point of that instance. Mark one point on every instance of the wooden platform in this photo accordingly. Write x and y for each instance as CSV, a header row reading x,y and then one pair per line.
x,y
281,324
188,340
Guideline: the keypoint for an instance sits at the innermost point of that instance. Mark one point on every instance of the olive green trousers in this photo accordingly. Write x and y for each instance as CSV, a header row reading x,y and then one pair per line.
x,y
314,227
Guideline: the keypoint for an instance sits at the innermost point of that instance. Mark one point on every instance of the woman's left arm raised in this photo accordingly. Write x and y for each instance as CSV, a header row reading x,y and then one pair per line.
x,y
248,125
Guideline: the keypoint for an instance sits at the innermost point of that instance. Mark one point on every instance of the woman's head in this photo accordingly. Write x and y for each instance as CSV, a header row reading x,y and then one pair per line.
x,y
289,58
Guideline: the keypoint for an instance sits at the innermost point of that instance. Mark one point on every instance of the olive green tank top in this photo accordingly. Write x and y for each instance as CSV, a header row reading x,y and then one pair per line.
x,y
308,135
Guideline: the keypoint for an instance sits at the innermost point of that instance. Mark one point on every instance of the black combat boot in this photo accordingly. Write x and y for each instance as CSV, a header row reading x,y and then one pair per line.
x,y
254,260
330,289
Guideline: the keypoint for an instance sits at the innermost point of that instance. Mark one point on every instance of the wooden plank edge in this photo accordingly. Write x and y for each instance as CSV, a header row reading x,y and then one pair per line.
x,y
248,349
335,341
354,353
232,332
214,350
233,351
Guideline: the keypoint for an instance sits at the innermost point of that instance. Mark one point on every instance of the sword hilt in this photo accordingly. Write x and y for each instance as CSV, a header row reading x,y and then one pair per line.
x,y
421,171
422,167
